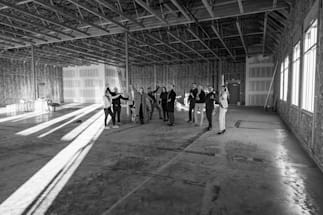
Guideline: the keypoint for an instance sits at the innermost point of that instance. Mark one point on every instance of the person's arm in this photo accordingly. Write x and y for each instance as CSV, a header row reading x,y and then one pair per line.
x,y
155,91
116,96
123,98
174,97
108,89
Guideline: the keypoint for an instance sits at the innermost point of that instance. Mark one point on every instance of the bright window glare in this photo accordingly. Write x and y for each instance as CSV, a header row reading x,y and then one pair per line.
x,y
44,125
37,194
309,67
79,129
68,122
10,118
284,79
296,68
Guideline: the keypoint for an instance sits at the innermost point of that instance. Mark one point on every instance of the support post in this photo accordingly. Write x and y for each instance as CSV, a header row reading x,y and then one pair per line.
x,y
155,76
220,76
127,68
33,71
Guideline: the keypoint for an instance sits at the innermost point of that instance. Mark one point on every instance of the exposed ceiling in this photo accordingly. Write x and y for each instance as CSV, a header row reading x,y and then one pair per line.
x,y
76,32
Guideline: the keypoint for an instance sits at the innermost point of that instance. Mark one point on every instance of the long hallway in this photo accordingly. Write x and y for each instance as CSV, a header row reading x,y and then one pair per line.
x,y
256,167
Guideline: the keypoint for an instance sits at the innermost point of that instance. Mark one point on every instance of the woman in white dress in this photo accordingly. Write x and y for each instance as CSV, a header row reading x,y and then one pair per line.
x,y
223,101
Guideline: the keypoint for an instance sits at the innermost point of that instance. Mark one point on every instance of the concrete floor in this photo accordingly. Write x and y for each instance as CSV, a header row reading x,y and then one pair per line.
x,y
256,167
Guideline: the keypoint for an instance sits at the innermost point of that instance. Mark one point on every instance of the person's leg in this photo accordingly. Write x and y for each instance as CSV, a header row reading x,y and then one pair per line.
x,y
141,114
118,113
190,109
171,118
164,111
202,113
211,118
159,110
224,115
113,118
113,110
106,113
208,114
221,119
195,113
152,111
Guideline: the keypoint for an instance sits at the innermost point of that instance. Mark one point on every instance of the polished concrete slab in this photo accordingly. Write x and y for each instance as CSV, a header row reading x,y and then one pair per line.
x,y
256,167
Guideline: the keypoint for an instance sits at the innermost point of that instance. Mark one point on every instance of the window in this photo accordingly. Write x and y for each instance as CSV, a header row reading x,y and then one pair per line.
x,y
296,68
310,43
284,79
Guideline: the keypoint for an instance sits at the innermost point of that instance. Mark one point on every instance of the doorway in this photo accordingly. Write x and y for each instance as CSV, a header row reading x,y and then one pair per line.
x,y
234,90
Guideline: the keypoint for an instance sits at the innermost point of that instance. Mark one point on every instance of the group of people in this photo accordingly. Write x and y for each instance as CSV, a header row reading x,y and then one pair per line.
x,y
199,100
143,105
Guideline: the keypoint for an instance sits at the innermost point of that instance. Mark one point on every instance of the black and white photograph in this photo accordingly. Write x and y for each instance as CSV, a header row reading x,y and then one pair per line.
x,y
161,107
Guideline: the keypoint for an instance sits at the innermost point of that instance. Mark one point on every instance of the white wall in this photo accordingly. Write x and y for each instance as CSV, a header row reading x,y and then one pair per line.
x,y
259,72
84,84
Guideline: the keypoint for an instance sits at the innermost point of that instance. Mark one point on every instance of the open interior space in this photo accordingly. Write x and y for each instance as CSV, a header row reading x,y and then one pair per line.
x,y
161,107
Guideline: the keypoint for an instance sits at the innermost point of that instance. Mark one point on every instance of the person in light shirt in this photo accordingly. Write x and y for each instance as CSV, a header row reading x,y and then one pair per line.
x,y
107,106
223,101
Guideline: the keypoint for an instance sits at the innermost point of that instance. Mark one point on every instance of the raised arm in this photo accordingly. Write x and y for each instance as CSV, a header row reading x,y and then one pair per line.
x,y
116,96
123,98
155,91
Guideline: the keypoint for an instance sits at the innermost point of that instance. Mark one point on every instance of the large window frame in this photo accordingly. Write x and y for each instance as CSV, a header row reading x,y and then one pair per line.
x,y
284,69
309,67
296,74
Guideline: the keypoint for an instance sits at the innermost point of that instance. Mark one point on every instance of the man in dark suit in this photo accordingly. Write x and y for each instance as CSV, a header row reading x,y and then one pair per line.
x,y
210,100
192,100
171,104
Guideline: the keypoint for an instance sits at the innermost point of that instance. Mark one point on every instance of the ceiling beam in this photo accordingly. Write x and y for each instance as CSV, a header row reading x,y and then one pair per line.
x,y
11,41
21,20
221,12
240,6
147,8
114,52
102,16
208,8
63,13
264,35
185,44
202,42
23,34
115,10
122,48
28,30
152,47
181,9
41,18
26,41
169,46
241,37
17,3
140,49
222,41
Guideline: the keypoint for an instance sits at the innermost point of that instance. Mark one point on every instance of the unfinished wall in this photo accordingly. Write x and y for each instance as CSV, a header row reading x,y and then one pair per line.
x,y
235,72
182,75
16,81
300,121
